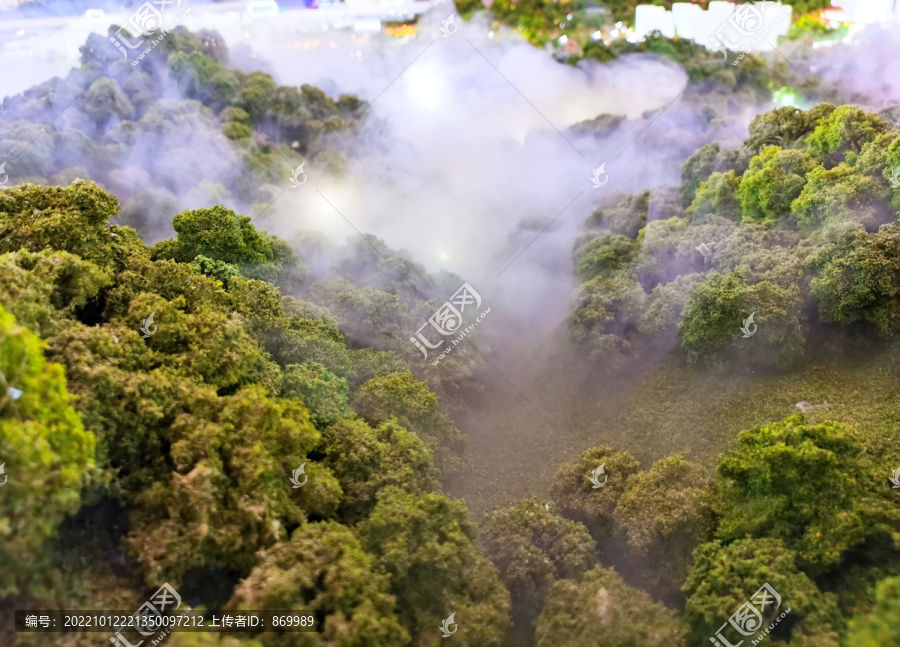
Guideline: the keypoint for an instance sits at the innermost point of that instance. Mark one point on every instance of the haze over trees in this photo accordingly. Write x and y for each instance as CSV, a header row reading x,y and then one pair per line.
x,y
157,395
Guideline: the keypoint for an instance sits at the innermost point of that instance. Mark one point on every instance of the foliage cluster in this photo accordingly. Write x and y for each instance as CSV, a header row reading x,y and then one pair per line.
x,y
171,133
167,395
798,228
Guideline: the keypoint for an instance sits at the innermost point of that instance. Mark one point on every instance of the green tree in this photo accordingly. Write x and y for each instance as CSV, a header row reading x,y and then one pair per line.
x,y
716,195
774,180
841,136
808,485
105,100
44,290
665,513
881,627
724,576
533,546
323,393
842,192
786,127
426,544
602,254
857,277
401,396
366,459
702,163
323,569
578,497
229,493
601,607
217,233
47,452
713,318
72,219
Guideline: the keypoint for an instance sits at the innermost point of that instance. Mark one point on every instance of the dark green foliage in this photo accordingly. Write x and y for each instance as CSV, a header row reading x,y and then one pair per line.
x,y
323,569
366,459
705,161
426,544
321,391
811,486
726,576
858,278
601,607
532,547
602,255
723,302
666,512
577,496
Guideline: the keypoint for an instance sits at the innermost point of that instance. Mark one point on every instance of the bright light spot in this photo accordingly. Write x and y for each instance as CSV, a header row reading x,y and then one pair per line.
x,y
561,25
490,34
563,39
443,255
569,17
596,36
424,84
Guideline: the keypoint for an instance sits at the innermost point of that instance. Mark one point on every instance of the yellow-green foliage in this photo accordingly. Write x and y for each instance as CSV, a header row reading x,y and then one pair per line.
x,y
48,455
725,576
881,627
775,178
811,486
